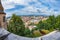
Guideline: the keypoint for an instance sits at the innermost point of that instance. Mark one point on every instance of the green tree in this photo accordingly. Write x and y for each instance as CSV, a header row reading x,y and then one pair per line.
x,y
16,25
28,32
47,24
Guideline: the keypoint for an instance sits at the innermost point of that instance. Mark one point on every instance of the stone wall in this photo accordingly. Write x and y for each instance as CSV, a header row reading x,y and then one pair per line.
x,y
2,24
52,36
55,35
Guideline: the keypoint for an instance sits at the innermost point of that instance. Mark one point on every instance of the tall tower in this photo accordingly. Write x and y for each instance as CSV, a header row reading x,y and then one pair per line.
x,y
1,8
2,16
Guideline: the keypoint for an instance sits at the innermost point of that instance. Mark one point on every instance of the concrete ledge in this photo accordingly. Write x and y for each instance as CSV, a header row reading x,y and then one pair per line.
x,y
55,35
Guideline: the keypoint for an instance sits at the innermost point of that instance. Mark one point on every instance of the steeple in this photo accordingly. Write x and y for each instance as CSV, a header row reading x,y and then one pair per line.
x,y
1,8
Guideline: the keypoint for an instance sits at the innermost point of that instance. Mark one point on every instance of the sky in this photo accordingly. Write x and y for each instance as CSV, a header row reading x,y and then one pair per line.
x,y
31,7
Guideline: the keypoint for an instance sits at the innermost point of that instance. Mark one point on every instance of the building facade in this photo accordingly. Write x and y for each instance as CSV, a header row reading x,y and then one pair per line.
x,y
2,17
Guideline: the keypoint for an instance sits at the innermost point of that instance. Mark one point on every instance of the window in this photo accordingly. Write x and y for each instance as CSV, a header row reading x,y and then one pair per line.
x,y
4,19
0,24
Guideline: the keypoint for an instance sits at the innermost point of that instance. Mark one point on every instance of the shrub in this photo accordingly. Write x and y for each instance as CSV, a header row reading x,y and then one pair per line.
x,y
44,31
36,33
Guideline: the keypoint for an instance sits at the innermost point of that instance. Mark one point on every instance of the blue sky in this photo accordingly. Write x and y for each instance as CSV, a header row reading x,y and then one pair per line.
x,y
31,7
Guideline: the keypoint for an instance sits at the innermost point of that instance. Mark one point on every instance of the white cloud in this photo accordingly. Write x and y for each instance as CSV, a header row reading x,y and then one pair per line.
x,y
30,9
9,4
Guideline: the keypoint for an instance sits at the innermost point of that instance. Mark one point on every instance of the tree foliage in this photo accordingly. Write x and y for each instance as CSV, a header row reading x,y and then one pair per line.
x,y
52,23
16,25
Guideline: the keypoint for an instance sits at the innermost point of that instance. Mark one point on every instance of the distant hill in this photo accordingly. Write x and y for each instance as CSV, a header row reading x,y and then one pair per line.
x,y
29,15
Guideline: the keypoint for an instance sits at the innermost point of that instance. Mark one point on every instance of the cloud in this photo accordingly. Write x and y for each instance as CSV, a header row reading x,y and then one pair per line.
x,y
7,4
48,7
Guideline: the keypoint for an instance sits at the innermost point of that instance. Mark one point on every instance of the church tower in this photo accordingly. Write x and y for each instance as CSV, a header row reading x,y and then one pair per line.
x,y
2,17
